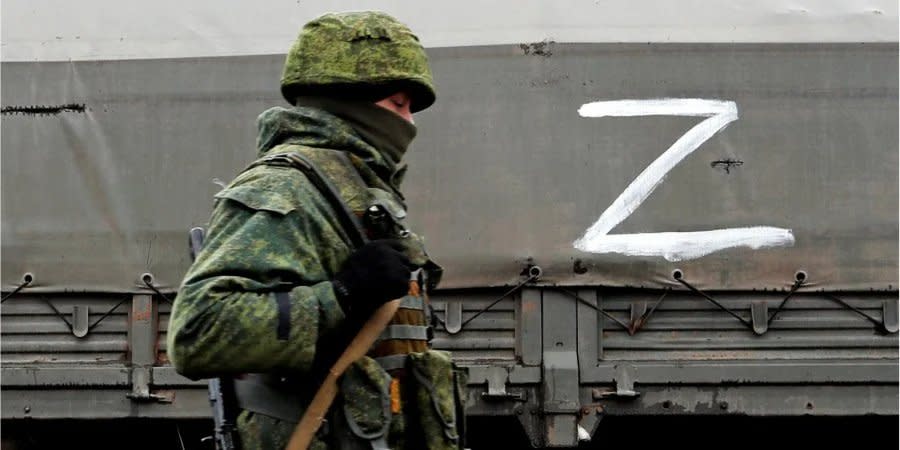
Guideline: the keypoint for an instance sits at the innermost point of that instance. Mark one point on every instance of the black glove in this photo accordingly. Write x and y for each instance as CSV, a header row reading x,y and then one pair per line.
x,y
375,274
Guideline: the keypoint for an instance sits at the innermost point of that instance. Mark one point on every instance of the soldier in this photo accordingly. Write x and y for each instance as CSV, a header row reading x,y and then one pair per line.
x,y
279,286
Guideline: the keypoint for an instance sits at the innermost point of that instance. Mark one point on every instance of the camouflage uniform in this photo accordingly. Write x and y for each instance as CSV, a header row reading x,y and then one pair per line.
x,y
272,230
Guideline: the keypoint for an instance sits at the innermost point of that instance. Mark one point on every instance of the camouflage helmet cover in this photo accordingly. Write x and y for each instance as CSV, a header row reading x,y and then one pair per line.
x,y
357,55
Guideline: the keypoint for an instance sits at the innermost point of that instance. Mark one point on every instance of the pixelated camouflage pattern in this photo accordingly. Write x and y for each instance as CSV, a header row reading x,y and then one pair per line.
x,y
365,410
259,432
357,48
435,398
365,385
272,230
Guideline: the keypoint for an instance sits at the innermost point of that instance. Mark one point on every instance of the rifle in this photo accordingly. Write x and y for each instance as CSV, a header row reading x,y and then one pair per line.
x,y
221,390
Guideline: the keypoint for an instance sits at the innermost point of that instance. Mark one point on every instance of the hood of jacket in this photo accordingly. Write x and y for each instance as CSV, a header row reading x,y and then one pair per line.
x,y
314,127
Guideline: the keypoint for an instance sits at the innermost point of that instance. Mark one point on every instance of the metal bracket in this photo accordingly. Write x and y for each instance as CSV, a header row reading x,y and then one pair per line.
x,y
625,376
533,423
142,336
759,316
140,387
638,310
889,318
496,386
888,322
591,416
453,317
80,316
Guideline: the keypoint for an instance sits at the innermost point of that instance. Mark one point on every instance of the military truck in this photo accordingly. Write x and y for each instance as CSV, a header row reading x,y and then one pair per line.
x,y
652,211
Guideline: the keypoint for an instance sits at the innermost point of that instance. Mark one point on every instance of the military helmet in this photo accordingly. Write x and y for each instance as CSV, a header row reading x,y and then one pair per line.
x,y
357,55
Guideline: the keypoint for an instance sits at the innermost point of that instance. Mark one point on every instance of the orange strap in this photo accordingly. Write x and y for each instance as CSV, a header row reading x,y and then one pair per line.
x,y
395,395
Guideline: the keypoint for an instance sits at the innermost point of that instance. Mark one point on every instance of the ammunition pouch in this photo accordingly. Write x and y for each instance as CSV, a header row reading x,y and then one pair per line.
x,y
432,395
437,388
363,415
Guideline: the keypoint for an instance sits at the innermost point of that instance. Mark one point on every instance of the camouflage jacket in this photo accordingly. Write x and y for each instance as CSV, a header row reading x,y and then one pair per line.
x,y
272,230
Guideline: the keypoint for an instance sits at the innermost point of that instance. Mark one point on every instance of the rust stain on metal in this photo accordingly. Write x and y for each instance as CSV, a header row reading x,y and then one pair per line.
x,y
551,430
165,396
600,393
142,315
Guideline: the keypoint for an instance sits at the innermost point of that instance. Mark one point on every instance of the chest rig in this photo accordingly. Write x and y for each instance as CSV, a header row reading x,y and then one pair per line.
x,y
419,394
377,215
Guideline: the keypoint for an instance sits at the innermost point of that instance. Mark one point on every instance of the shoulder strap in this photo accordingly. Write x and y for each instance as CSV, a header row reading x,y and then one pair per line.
x,y
300,162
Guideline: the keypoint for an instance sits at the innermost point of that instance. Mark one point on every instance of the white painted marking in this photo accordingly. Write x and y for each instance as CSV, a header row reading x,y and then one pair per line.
x,y
720,114
690,107
680,246
670,245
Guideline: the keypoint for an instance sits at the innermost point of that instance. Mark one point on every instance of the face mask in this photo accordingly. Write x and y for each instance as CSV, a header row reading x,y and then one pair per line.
x,y
389,133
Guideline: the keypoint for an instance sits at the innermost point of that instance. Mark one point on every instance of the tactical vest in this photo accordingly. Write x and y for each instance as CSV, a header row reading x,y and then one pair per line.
x,y
403,350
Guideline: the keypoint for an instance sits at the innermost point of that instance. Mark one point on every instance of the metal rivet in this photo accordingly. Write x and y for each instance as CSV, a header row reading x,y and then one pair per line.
x,y
27,409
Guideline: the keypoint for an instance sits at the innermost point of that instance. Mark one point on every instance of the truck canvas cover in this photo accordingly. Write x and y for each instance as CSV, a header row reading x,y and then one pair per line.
x,y
108,162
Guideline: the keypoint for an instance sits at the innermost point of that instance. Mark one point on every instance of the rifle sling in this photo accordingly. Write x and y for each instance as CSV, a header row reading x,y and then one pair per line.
x,y
349,221
260,393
